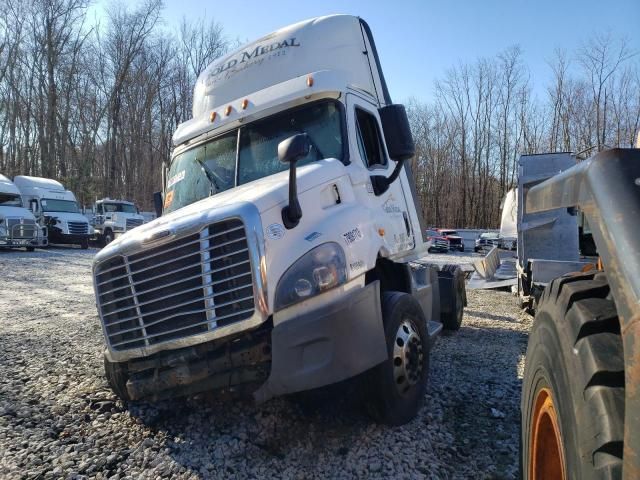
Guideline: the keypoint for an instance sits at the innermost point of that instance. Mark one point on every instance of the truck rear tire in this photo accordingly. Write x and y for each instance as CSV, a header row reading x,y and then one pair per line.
x,y
396,388
573,386
117,376
452,290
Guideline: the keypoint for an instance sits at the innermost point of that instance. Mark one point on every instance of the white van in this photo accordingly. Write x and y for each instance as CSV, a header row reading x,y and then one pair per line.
x,y
56,208
18,226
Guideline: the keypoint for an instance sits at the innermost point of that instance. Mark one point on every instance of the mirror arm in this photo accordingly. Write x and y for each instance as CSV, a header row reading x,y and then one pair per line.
x,y
381,183
292,213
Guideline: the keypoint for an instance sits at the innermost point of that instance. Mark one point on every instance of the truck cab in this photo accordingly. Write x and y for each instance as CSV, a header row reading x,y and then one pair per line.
x,y
288,253
18,227
112,218
55,208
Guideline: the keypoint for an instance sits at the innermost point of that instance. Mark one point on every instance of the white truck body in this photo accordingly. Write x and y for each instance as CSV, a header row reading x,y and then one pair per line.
x,y
18,226
56,208
312,286
111,218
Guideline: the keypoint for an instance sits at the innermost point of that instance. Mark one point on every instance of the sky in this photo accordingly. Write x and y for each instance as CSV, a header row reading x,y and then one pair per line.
x,y
418,41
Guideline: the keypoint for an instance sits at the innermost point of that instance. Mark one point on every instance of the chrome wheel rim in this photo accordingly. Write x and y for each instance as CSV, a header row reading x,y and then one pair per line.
x,y
407,357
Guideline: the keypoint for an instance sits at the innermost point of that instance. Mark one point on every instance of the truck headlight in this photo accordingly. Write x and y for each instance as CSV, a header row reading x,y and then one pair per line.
x,y
317,271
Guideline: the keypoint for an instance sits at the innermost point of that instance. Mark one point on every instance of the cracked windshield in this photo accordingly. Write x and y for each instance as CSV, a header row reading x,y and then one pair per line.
x,y
210,168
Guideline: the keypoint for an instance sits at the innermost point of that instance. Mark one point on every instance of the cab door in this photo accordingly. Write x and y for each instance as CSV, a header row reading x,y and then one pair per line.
x,y
369,158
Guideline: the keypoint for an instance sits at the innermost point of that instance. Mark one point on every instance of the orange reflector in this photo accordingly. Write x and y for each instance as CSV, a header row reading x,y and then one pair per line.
x,y
212,117
227,110
381,232
245,103
309,81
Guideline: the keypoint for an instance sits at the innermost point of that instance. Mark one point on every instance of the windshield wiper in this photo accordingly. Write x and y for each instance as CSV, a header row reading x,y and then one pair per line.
x,y
210,176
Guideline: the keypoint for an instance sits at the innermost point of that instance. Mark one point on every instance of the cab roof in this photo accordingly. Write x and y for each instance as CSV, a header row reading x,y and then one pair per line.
x,y
7,186
335,43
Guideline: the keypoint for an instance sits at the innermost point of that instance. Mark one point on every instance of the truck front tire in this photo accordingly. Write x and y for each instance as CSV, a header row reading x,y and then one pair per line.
x,y
84,243
117,376
396,388
107,238
573,386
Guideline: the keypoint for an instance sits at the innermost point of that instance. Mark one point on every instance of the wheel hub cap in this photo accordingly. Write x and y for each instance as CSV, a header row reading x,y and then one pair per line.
x,y
407,357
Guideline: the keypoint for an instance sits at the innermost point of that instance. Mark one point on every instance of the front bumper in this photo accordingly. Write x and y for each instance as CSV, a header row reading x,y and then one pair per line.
x,y
22,242
324,345
55,236
327,344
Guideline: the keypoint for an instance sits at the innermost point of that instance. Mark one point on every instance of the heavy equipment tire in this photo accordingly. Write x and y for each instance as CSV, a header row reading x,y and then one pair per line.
x,y
396,388
117,376
573,387
84,243
451,318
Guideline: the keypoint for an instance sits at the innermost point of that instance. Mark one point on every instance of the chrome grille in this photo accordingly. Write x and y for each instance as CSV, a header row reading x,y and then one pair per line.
x,y
441,243
21,228
186,287
78,228
133,223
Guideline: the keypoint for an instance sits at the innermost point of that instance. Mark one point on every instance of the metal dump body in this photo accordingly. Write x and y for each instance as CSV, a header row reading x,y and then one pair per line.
x,y
552,234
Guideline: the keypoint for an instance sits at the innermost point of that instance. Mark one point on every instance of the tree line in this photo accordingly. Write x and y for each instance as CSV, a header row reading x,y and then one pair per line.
x,y
484,116
94,103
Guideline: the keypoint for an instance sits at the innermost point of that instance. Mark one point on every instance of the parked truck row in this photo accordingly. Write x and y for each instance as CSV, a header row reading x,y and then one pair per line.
x,y
36,211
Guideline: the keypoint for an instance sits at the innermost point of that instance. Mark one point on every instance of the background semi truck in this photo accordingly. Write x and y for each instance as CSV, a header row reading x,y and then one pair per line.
x,y
580,397
55,208
111,218
18,226
288,254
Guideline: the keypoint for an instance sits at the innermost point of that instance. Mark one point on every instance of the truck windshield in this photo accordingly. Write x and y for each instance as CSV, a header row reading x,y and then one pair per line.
x,y
10,200
218,165
119,207
55,205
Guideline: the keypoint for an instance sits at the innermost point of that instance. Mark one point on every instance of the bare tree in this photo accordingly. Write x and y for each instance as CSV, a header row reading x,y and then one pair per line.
x,y
600,57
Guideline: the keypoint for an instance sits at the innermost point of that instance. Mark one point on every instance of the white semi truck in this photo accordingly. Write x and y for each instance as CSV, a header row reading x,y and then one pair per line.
x,y
287,256
112,218
18,226
55,208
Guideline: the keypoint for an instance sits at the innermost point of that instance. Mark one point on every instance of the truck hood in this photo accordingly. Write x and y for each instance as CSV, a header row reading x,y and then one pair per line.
x,y
20,212
264,193
67,216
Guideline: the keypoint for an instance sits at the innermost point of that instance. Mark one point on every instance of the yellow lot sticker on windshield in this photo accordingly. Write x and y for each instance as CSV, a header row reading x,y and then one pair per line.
x,y
168,199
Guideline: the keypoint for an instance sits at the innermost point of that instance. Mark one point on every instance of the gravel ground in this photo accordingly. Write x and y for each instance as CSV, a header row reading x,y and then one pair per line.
x,y
59,419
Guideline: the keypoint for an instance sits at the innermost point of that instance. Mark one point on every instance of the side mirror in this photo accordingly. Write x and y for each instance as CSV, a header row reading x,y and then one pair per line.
x,y
157,203
33,206
294,148
290,151
397,132
399,142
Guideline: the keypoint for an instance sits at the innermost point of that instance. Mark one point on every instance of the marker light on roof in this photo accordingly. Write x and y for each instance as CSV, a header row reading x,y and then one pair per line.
x,y
212,117
245,103
227,110
309,81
